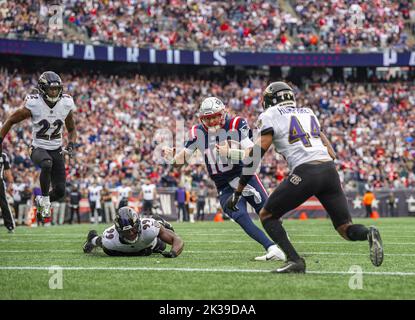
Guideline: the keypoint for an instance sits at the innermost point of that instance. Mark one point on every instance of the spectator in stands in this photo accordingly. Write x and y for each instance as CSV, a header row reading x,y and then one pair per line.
x,y
181,203
368,201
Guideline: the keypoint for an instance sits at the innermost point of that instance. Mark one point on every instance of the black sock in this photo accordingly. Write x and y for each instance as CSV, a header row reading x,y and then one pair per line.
x,y
45,181
357,232
277,233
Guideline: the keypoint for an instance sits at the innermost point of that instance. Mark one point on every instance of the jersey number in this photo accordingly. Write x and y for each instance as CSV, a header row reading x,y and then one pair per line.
x,y
215,163
297,132
41,134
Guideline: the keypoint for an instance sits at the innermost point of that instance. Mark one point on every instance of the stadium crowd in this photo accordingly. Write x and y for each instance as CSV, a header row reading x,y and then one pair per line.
x,y
299,25
121,120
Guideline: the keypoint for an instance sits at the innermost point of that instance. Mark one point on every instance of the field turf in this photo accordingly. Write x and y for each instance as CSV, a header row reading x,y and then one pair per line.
x,y
216,264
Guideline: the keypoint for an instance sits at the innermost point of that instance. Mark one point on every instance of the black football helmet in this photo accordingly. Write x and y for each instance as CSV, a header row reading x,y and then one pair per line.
x,y
278,94
128,225
50,87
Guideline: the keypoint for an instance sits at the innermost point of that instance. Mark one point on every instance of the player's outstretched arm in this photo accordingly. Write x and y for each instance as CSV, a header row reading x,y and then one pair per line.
x,y
327,143
177,160
18,116
72,134
172,239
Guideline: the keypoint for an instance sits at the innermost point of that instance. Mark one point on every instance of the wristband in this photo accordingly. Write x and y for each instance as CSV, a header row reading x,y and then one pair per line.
x,y
236,154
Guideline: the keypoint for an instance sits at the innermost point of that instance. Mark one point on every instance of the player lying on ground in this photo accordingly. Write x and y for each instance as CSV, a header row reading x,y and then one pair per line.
x,y
132,236
50,109
218,127
296,134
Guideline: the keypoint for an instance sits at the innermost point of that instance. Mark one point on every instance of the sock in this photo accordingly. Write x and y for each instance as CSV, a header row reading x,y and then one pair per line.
x,y
277,233
97,241
357,232
253,231
45,181
45,200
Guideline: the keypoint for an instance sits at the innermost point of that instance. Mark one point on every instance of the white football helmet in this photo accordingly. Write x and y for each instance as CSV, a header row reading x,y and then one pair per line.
x,y
212,113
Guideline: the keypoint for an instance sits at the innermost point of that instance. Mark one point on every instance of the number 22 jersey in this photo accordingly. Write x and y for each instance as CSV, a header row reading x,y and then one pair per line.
x,y
48,122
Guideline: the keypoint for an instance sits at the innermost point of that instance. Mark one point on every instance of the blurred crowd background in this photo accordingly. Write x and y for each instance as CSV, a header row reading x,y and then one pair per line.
x,y
371,126
370,122
285,25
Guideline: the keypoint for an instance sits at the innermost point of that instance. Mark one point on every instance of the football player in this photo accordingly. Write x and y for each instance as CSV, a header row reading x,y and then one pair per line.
x,y
132,236
217,128
50,109
296,134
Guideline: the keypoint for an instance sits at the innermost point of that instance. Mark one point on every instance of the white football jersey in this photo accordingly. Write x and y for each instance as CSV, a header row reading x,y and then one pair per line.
x,y
148,191
296,134
150,229
48,122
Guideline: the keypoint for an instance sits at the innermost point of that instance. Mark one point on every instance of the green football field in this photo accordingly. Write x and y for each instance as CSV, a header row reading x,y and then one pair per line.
x,y
216,264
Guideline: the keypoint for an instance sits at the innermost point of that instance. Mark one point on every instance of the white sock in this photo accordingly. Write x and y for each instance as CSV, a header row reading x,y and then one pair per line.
x,y
271,248
45,200
94,241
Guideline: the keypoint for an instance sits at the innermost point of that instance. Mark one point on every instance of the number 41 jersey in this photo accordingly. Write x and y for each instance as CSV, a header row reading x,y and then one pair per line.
x,y
48,122
296,134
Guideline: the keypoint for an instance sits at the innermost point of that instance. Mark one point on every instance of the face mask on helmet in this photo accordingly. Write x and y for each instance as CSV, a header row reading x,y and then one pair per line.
x,y
212,113
213,121
50,86
278,94
127,223
129,235
53,92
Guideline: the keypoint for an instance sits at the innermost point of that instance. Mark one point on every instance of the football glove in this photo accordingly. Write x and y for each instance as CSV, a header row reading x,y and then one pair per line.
x,y
169,254
70,149
233,200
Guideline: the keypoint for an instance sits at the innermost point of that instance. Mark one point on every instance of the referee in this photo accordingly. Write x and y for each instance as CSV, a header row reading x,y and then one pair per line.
x,y
5,172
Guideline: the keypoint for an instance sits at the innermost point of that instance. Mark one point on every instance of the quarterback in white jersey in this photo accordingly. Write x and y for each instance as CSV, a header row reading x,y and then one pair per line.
x,y
132,236
49,110
296,134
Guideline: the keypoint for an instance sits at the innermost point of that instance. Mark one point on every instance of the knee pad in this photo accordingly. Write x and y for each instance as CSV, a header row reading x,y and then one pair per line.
x,y
46,164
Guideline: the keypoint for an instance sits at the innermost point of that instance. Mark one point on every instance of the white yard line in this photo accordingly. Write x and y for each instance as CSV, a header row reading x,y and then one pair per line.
x,y
206,241
196,270
216,251
182,234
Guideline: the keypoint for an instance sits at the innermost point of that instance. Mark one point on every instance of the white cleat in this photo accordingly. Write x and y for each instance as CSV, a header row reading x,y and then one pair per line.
x,y
274,253
43,206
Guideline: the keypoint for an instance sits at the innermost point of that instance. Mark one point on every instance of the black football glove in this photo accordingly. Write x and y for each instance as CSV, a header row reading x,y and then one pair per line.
x,y
169,254
70,149
233,200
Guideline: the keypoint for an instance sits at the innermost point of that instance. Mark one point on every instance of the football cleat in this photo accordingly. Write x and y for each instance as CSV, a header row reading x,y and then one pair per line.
x,y
376,246
274,253
10,230
292,267
88,246
42,208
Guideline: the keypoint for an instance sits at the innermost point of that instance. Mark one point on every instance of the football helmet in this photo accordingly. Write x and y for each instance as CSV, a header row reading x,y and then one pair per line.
x,y
128,225
212,113
278,94
50,86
